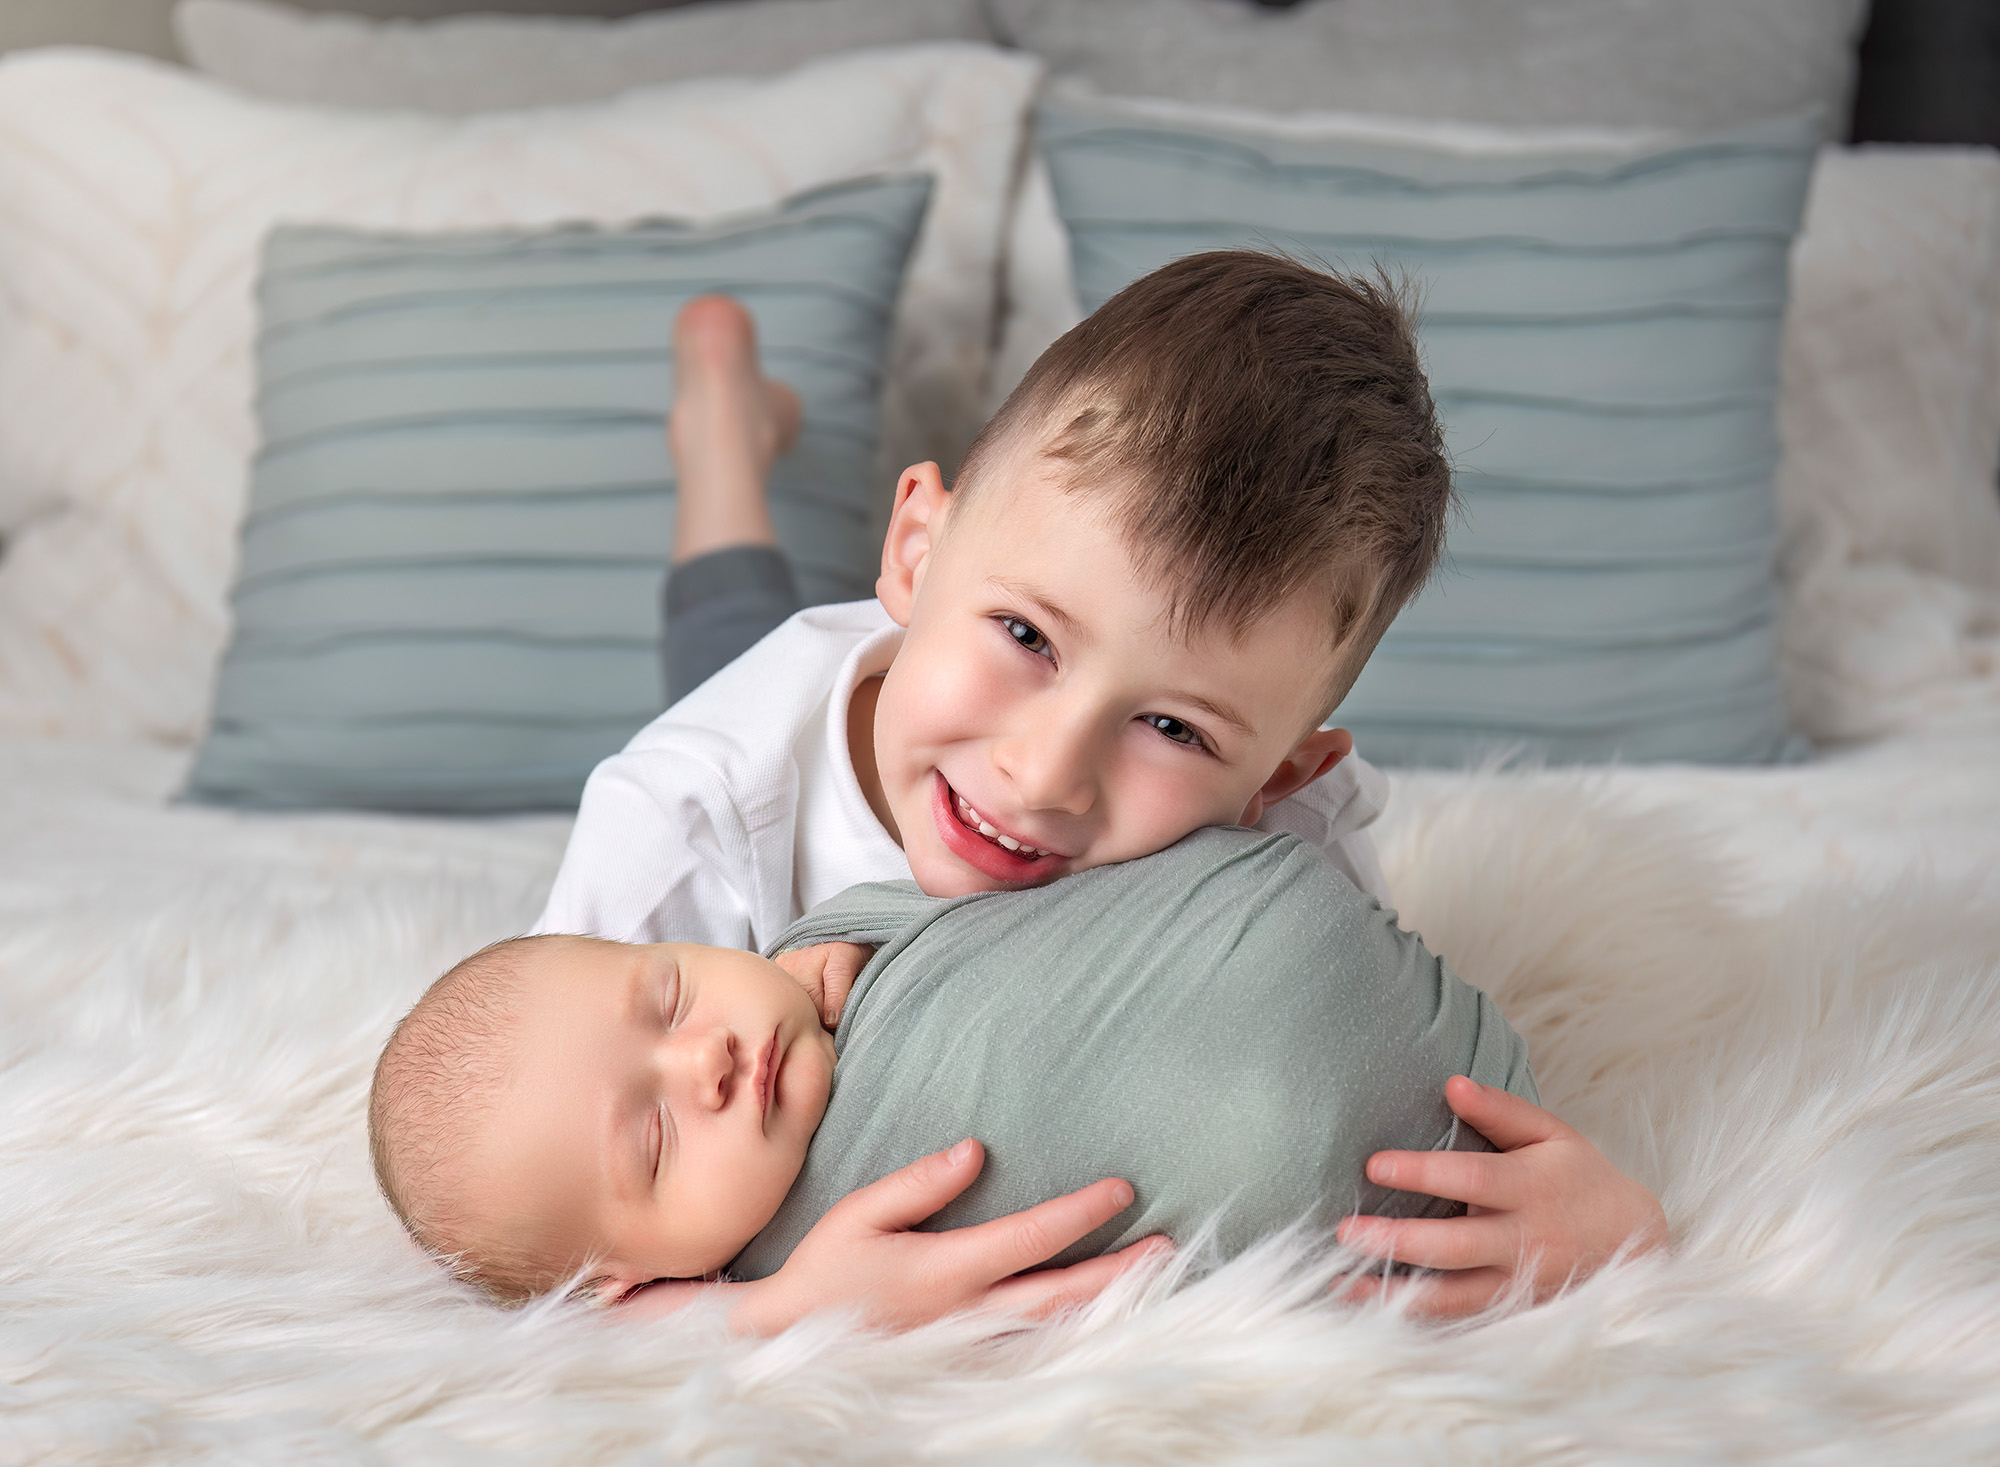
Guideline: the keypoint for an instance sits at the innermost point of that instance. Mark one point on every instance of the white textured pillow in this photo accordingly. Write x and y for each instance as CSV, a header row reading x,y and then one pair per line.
x,y
478,63
1892,358
134,197
1891,424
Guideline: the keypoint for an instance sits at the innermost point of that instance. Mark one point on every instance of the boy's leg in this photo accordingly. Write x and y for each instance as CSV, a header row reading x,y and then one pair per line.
x,y
729,583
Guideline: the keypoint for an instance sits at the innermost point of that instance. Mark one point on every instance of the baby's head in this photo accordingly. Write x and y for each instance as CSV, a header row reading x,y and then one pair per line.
x,y
556,1103
1164,562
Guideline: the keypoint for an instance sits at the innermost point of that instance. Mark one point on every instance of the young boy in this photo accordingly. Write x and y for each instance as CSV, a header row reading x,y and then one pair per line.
x,y
1228,1023
1163,563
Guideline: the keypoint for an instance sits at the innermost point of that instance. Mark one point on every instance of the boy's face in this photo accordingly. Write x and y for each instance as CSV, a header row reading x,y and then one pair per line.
x,y
660,1107
1041,719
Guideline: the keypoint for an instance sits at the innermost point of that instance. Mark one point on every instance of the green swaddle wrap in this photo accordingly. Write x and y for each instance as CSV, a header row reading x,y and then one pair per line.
x,y
1230,1025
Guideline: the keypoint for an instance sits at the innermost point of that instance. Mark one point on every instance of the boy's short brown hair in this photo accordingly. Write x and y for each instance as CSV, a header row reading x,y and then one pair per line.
x,y
1265,429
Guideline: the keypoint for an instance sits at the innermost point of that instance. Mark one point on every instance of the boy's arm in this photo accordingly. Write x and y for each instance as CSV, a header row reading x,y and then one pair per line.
x,y
864,1254
1546,1209
657,853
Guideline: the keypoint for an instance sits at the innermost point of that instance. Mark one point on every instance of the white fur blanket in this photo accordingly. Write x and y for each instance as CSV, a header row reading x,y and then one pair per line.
x,y
1774,996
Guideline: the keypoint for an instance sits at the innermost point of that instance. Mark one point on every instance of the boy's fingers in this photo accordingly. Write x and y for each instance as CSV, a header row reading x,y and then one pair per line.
x,y
1433,1242
905,1198
1501,1116
806,971
1430,1296
843,966
1033,1295
1451,1295
1481,1178
993,1250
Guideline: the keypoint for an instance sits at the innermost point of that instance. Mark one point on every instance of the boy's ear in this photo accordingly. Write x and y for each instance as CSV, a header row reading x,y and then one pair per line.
x,y
1313,756
921,502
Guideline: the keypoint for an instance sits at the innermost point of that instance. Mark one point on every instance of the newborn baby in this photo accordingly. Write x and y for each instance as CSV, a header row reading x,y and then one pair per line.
x,y
1229,1024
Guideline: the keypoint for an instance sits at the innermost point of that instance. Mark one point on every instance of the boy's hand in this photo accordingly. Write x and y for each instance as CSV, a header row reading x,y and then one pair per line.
x,y
1547,1206
827,971
864,1252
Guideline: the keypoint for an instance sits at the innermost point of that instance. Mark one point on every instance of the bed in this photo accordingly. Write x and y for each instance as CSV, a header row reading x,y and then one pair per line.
x,y
1773,994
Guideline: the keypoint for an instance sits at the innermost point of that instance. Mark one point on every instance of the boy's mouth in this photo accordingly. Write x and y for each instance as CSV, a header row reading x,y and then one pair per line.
x,y
976,841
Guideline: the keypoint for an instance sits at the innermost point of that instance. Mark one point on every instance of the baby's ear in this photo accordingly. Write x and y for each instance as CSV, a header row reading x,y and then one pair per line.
x,y
921,500
1313,756
603,1290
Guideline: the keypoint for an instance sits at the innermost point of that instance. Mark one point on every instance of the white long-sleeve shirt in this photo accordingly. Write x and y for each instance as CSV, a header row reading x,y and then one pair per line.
x,y
737,810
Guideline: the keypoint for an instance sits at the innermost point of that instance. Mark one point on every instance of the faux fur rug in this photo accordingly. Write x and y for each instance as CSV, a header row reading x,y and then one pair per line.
x,y
1775,997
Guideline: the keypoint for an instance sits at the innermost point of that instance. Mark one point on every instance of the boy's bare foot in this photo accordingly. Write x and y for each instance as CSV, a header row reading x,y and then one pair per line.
x,y
728,425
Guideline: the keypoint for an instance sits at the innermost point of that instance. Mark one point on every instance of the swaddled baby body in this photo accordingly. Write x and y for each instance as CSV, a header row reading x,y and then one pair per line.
x,y
1229,1024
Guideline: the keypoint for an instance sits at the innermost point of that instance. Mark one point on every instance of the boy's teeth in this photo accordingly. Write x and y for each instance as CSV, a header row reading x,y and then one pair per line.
x,y
978,822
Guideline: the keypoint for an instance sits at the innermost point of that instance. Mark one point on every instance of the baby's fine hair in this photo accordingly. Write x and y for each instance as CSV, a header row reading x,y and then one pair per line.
x,y
1262,427
436,1083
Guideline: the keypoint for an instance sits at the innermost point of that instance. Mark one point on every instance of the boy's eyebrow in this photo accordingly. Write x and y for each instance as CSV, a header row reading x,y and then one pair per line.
x,y
1069,624
1221,712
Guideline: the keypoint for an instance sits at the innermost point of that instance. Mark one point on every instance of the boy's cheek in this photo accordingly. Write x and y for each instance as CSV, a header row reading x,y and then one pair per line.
x,y
937,702
1150,809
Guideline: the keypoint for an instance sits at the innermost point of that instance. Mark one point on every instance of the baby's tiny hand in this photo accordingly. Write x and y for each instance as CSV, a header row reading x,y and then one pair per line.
x,y
1547,1209
827,971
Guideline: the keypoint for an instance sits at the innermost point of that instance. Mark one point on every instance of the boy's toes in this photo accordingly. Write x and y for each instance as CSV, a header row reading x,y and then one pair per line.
x,y
720,388
714,331
786,414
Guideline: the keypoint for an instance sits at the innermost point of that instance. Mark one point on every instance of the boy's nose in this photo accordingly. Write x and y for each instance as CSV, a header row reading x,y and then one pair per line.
x,y
704,1063
1053,765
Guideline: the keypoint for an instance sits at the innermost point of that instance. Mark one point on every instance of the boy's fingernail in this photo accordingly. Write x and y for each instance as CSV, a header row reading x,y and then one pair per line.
x,y
960,1153
1122,1195
1382,1171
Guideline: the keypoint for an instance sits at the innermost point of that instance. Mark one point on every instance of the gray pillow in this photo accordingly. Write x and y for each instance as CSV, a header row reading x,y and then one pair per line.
x,y
449,594
1693,64
480,63
1601,329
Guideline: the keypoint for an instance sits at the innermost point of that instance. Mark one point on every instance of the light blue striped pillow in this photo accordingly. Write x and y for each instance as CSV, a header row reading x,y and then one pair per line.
x,y
460,517
1601,332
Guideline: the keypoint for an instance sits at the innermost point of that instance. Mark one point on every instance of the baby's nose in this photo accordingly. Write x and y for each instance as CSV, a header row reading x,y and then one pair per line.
x,y
707,1061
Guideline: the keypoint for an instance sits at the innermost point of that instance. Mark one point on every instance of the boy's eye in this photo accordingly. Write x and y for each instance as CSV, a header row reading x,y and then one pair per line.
x,y
1173,728
1026,634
